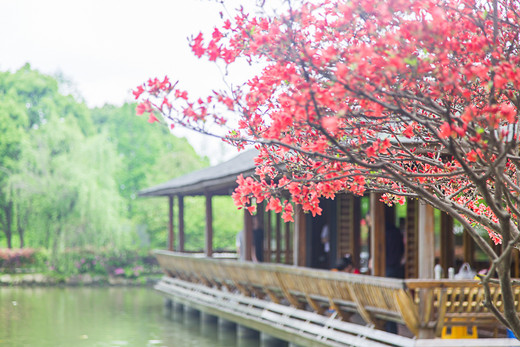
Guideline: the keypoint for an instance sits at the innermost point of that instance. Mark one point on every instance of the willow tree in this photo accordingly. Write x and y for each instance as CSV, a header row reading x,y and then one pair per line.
x,y
413,99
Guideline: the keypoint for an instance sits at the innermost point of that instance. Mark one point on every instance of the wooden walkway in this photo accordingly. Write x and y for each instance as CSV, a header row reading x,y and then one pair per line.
x,y
301,327
420,305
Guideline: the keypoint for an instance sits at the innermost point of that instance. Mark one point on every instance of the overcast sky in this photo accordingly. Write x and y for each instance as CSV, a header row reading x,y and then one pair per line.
x,y
108,47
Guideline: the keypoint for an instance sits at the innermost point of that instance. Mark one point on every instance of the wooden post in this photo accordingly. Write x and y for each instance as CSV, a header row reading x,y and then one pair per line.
x,y
287,242
411,235
260,216
300,237
356,230
426,264
278,238
268,234
171,235
468,246
447,243
377,239
180,201
426,240
248,234
208,249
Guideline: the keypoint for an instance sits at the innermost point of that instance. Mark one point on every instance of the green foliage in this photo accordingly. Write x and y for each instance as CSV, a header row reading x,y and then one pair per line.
x,y
105,262
227,222
67,181
69,178
149,155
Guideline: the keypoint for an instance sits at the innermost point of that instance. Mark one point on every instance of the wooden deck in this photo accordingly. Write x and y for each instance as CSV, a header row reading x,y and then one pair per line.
x,y
422,306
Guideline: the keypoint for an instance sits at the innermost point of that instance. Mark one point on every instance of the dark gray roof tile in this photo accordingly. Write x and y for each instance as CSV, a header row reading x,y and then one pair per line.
x,y
215,180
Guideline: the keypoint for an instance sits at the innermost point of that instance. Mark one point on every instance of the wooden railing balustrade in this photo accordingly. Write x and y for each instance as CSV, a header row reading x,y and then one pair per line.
x,y
424,306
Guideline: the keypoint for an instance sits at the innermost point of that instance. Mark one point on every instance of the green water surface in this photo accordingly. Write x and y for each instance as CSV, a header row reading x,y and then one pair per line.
x,y
109,316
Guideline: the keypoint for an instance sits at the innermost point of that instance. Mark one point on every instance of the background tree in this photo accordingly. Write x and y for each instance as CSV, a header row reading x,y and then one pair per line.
x,y
13,121
411,98
69,175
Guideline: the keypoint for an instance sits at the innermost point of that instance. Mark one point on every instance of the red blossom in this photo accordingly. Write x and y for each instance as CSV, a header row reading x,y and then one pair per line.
x,y
217,35
166,103
472,156
335,100
287,215
408,132
137,93
197,47
143,107
445,130
274,205
152,118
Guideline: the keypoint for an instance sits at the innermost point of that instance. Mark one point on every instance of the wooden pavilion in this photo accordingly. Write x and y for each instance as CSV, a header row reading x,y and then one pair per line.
x,y
289,274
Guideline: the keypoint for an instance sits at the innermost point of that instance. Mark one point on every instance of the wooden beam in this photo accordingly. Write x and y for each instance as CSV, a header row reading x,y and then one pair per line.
x,y
300,237
208,249
426,240
171,235
180,200
377,239
447,243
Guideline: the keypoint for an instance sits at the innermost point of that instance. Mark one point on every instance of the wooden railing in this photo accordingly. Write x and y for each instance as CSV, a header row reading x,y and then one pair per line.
x,y
449,303
423,306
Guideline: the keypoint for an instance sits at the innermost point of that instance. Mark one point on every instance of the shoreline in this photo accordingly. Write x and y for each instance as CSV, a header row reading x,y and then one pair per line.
x,y
45,280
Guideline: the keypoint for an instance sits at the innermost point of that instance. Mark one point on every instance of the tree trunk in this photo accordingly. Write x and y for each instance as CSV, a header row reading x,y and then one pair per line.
x,y
21,229
8,209
508,297
20,233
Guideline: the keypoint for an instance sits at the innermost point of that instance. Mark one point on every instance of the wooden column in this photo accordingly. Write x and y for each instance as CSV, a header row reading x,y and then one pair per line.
x,y
377,239
348,238
345,225
300,237
268,234
208,249
426,242
287,242
447,243
180,200
278,231
411,239
468,246
171,235
356,230
260,216
248,235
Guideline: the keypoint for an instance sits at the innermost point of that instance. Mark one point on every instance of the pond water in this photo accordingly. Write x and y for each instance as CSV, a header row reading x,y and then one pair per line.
x,y
101,316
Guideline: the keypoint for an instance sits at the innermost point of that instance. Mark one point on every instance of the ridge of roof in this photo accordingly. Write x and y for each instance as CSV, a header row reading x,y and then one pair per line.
x,y
216,179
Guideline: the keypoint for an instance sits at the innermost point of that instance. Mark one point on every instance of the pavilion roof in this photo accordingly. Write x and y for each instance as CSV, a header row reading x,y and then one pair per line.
x,y
219,179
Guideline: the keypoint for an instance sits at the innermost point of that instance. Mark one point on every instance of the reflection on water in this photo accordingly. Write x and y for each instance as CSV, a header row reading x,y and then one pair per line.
x,y
111,316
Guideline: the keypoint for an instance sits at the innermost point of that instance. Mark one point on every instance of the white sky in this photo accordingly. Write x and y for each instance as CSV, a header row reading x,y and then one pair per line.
x,y
108,47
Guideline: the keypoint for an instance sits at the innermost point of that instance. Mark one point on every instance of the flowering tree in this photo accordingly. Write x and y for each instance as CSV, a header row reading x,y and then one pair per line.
x,y
411,98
